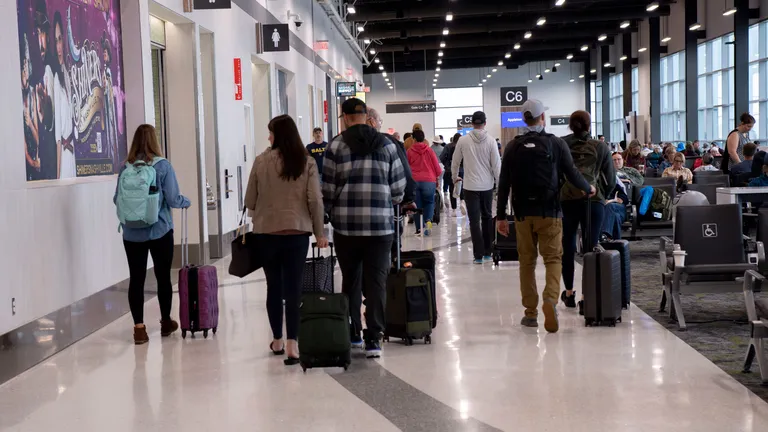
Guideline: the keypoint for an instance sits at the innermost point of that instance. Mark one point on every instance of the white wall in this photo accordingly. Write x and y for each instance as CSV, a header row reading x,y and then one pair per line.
x,y
555,91
60,238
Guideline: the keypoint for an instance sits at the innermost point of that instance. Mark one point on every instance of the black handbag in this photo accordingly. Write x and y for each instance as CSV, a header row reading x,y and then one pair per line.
x,y
246,252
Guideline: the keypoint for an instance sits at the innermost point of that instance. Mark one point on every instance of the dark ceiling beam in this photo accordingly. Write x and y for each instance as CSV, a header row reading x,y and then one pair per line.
x,y
394,31
407,10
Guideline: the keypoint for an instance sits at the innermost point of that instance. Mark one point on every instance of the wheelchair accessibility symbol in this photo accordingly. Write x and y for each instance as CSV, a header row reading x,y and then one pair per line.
x,y
709,230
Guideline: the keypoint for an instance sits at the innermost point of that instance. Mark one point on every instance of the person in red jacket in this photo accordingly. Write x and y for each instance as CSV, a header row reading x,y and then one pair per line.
x,y
426,170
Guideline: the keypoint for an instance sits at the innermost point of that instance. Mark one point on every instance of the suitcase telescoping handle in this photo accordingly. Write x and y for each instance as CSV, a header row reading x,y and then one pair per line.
x,y
315,254
184,238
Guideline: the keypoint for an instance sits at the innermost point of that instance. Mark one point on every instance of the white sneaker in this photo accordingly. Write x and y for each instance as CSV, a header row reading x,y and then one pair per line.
x,y
463,209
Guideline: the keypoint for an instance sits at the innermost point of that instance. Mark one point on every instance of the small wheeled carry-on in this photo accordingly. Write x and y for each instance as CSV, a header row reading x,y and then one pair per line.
x,y
198,292
626,275
505,248
411,308
601,284
324,328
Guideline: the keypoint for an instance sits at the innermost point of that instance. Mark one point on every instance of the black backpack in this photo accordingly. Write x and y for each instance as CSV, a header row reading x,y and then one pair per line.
x,y
534,176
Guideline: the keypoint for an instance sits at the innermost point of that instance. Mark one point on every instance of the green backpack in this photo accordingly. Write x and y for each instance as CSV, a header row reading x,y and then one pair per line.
x,y
584,155
138,197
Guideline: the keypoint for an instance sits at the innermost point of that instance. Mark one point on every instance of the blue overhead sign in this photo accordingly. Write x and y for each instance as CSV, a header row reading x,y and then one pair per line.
x,y
512,120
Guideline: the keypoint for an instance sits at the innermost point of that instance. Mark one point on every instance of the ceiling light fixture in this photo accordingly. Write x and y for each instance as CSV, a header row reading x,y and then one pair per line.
x,y
485,80
442,44
585,47
530,80
372,51
351,9
730,11
652,7
622,58
559,2
607,64
377,61
435,80
437,74
694,27
517,46
437,70
439,53
625,24
360,29
434,84
569,56
507,55
381,67
445,31
366,41
642,49
554,69
439,62
494,70
581,76
593,71
386,79
541,21
557,64
538,76
572,80
480,84
541,77
528,35
666,39
602,37
384,74
501,63
547,70
488,76
449,17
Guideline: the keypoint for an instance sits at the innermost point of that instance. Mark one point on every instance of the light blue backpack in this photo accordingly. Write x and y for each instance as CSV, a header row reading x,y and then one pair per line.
x,y
138,197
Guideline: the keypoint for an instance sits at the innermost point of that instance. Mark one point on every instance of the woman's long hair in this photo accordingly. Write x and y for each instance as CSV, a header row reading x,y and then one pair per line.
x,y
455,138
58,68
144,145
287,142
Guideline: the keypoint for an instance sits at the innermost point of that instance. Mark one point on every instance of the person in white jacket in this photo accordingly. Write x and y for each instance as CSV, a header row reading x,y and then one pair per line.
x,y
482,165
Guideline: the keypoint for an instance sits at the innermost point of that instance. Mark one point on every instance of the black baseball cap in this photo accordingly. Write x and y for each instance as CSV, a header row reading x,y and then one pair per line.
x,y
354,106
478,118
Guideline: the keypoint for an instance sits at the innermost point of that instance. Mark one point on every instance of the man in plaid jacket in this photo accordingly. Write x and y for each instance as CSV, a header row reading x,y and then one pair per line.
x,y
362,178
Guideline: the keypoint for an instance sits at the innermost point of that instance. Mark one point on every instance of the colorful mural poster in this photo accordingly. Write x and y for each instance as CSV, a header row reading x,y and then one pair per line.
x,y
72,88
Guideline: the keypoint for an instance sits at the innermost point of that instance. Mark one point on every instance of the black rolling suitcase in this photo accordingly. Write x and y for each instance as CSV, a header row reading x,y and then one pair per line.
x,y
411,308
505,248
626,275
601,285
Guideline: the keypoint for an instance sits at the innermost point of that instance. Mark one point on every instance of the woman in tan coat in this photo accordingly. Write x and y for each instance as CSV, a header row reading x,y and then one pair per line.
x,y
286,205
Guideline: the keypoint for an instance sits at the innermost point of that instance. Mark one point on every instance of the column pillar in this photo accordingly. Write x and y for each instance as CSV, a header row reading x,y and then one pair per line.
x,y
655,77
741,58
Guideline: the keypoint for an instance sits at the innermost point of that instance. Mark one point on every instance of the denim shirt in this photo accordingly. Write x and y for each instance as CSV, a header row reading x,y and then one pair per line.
x,y
170,197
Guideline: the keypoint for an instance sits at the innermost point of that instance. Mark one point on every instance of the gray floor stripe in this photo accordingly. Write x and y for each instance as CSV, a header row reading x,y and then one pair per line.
x,y
403,405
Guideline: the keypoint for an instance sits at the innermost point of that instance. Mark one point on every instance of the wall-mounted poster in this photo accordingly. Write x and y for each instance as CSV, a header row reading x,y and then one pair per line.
x,y
72,88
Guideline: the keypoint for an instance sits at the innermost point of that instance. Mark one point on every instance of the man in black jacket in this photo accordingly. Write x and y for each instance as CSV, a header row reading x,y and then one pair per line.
x,y
532,171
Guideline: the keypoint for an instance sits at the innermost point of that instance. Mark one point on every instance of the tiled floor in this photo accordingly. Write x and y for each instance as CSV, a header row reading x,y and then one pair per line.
x,y
482,372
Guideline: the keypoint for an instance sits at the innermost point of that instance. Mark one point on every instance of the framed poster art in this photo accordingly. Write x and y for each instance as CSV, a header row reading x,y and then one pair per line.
x,y
73,95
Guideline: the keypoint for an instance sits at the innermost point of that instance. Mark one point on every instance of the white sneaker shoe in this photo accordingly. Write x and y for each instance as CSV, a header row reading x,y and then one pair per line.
x,y
463,209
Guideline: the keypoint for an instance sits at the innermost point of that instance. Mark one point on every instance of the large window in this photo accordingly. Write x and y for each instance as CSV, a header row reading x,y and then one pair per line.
x,y
716,100
758,79
452,104
616,107
635,89
596,108
673,98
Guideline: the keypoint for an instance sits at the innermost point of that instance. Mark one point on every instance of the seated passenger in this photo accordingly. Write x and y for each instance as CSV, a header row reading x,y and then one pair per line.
x,y
668,159
626,174
654,159
633,157
745,166
706,163
761,181
678,170
615,212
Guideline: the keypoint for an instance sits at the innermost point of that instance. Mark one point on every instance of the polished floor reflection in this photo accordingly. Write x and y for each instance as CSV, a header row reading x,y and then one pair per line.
x,y
483,372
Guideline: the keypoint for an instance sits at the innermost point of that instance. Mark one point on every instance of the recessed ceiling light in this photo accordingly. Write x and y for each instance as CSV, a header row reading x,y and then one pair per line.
x,y
360,28
501,63
625,24
694,27
434,84
488,76
485,80
381,67
386,79
607,64
442,44
622,58
366,41
547,70
437,74
569,56
445,31
435,80
585,47
541,21
437,70
384,74
593,71
581,76
642,49
377,60
666,39
528,35
517,46
652,7
494,70
538,75
557,64
372,51
439,62
480,84
351,9
530,80
507,55
449,17
440,54
572,80
602,37
559,2
730,11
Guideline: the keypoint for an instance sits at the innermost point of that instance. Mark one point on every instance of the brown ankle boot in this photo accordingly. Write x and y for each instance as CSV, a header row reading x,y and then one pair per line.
x,y
140,335
167,327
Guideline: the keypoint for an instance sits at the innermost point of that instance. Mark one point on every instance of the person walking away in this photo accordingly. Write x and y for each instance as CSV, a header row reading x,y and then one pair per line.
x,y
448,186
317,147
286,205
409,139
593,159
426,171
737,139
438,145
532,170
362,179
374,121
482,164
156,239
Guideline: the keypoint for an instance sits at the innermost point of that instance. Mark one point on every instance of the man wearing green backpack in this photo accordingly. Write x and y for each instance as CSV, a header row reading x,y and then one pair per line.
x,y
593,160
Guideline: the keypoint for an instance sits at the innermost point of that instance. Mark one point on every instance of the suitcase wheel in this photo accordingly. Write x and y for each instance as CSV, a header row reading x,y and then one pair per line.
x,y
589,322
214,330
183,334
304,368
205,334
496,259
428,340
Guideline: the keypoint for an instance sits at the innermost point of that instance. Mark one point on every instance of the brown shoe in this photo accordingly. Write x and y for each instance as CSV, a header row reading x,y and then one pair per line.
x,y
168,327
140,335
551,323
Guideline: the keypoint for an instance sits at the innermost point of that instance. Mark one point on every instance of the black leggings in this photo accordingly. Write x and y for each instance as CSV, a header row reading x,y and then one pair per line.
x,y
162,255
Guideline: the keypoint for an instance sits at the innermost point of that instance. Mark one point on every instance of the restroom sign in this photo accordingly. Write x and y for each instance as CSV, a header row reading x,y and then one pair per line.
x,y
213,4
514,96
275,37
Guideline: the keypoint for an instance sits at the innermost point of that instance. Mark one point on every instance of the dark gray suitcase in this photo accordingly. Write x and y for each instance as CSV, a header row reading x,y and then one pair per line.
x,y
601,284
626,275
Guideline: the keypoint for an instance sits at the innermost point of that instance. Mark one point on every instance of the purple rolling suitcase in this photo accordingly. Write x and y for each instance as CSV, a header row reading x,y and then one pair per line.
x,y
198,292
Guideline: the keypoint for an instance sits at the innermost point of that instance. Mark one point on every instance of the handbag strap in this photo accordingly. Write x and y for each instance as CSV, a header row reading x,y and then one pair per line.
x,y
241,226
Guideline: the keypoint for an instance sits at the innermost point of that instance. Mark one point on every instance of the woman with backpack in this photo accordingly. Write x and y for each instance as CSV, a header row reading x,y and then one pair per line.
x,y
593,159
148,233
286,206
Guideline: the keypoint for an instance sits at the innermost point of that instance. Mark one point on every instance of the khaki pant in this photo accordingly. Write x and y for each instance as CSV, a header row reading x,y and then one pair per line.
x,y
546,234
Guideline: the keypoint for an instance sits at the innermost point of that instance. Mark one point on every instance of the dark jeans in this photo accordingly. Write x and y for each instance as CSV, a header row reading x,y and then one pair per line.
x,y
615,215
365,264
479,205
575,215
448,187
285,272
162,255
425,200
